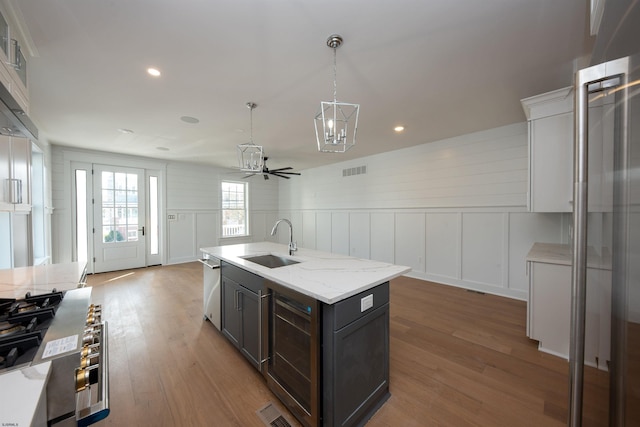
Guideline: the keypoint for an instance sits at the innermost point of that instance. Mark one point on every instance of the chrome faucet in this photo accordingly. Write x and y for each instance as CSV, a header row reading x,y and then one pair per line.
x,y
292,245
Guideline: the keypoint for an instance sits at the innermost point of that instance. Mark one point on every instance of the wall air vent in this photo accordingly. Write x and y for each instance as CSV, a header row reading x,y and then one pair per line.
x,y
358,170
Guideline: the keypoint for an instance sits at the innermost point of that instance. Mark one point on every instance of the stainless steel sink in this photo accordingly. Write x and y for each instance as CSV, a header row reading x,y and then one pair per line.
x,y
270,261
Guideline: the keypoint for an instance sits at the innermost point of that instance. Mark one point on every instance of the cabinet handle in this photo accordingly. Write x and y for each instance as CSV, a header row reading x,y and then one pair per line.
x,y
15,191
263,357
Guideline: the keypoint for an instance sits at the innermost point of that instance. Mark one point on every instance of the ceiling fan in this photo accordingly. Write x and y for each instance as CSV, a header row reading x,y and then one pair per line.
x,y
280,172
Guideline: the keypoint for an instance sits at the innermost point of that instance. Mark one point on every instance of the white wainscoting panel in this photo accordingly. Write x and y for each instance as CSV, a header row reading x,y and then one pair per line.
x,y
298,226
323,231
410,240
383,237
483,248
340,233
181,237
207,226
359,235
308,230
443,238
258,227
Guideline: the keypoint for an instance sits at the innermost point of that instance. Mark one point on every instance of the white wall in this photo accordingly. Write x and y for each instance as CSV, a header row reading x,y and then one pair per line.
x,y
191,198
452,210
193,203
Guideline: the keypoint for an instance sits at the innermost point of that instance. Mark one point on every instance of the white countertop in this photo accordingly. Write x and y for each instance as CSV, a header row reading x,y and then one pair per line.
x,y
40,279
321,275
556,253
23,394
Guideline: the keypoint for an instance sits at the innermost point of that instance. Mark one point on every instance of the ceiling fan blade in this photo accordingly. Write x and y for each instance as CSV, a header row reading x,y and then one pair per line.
x,y
280,176
249,175
290,173
282,169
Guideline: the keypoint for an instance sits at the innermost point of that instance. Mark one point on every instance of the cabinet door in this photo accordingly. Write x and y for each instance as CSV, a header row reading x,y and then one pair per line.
x,y
551,307
250,324
551,175
230,313
5,172
21,169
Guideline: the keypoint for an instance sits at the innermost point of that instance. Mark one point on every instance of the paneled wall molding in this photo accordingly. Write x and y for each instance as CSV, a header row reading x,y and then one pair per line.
x,y
482,251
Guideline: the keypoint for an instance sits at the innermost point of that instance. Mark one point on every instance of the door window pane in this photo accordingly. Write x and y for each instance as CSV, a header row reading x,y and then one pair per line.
x,y
119,207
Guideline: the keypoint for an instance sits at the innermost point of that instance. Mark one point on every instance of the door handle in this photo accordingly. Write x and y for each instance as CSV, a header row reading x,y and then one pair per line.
x,y
142,230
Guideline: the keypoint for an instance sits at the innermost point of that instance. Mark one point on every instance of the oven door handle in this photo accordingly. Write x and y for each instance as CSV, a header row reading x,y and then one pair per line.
x,y
99,410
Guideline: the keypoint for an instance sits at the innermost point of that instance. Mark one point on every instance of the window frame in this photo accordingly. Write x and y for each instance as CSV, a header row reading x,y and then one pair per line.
x,y
245,190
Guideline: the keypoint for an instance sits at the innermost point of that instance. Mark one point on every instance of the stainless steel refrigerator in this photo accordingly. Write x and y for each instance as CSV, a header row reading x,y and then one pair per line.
x,y
606,216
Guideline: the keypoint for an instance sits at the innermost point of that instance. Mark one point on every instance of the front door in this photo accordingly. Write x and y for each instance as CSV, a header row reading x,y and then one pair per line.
x,y
119,218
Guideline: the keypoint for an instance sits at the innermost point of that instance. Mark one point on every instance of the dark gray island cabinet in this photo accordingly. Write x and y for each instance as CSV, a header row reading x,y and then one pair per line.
x,y
242,311
328,363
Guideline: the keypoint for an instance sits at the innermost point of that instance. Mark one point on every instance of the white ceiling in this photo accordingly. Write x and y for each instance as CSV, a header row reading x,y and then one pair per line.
x,y
441,68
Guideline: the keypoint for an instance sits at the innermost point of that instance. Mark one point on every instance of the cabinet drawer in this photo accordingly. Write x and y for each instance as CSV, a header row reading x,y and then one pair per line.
x,y
349,310
248,280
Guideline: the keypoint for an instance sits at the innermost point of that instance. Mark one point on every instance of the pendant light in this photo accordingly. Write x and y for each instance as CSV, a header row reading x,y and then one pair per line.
x,y
337,122
250,155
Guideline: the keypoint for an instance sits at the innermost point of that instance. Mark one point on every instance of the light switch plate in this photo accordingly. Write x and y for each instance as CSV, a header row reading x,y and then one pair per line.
x,y
366,303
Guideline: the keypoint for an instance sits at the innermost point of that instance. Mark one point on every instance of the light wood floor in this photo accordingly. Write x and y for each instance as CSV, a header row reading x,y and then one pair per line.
x,y
458,358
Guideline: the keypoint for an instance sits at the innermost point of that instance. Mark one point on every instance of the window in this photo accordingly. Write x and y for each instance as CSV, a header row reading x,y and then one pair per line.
x,y
119,207
154,221
234,209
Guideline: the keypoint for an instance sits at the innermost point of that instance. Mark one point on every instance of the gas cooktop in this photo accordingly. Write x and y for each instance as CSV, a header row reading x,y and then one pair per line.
x,y
23,324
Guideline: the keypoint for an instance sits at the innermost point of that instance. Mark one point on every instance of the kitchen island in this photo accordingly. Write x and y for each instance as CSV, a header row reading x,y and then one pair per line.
x,y
316,328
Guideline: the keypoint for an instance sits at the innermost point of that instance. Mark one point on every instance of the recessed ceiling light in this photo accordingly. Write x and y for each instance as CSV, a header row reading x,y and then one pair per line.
x,y
125,131
153,72
189,119
398,128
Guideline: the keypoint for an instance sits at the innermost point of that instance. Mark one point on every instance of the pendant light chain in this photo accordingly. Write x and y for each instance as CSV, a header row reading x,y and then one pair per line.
x,y
335,76
251,123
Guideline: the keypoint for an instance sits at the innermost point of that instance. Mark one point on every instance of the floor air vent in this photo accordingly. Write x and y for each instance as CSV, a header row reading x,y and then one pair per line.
x,y
359,170
271,416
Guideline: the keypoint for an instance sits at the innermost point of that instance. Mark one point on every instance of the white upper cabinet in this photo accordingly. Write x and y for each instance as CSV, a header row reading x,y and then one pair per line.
x,y
550,118
15,174
13,70
551,140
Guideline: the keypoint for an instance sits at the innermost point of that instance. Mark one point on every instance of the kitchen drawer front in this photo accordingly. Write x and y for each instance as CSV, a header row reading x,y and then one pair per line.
x,y
349,310
248,280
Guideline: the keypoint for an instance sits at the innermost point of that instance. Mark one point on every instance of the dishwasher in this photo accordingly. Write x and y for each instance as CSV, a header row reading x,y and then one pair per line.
x,y
211,297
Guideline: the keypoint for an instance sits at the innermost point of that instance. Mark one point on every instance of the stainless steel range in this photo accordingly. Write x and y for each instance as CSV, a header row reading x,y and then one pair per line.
x,y
65,329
